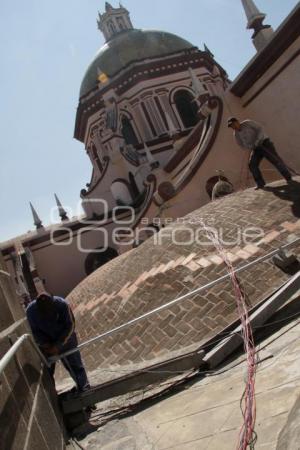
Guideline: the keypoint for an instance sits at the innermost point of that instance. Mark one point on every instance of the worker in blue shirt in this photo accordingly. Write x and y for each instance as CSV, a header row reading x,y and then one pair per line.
x,y
53,327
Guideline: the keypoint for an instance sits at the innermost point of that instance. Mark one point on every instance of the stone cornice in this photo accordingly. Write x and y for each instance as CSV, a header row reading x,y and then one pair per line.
x,y
137,73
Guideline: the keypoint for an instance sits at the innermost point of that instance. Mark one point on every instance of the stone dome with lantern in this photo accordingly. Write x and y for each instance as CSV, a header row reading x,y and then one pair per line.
x,y
139,101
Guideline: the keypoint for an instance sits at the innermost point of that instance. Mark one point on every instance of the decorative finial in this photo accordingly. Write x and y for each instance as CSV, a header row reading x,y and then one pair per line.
x,y
149,156
172,129
108,6
36,220
151,161
253,14
198,87
206,49
62,212
262,33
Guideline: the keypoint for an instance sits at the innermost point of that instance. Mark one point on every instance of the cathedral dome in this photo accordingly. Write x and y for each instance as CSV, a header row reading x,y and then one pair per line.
x,y
128,47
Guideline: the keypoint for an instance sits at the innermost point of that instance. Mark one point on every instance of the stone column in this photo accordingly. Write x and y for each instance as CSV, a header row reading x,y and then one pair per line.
x,y
168,109
142,123
155,116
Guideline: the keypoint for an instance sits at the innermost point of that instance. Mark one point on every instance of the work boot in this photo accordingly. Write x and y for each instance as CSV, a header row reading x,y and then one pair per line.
x,y
292,182
90,409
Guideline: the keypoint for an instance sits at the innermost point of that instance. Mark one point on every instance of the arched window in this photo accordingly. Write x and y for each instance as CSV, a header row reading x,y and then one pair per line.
x,y
128,132
111,26
186,107
121,24
218,186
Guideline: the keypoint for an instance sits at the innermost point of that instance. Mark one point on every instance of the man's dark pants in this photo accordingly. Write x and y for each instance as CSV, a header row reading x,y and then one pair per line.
x,y
73,364
267,150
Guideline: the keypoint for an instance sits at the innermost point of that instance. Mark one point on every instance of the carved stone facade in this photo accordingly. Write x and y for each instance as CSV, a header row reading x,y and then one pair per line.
x,y
132,118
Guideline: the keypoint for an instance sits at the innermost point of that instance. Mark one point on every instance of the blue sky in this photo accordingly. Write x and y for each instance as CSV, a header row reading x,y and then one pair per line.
x,y
45,48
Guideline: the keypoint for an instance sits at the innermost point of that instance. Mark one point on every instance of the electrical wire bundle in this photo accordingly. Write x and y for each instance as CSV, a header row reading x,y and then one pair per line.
x,y
248,404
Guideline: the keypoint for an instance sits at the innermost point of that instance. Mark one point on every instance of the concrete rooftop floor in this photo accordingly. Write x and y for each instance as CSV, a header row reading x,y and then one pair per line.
x,y
205,414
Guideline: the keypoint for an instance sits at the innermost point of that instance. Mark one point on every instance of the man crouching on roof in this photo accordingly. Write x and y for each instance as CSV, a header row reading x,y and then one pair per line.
x,y
53,327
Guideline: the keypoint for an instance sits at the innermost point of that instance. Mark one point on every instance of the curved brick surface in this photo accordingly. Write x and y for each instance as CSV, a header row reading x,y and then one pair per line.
x,y
151,275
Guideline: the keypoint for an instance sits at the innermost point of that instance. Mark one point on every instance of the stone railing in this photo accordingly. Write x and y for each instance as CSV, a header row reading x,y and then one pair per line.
x,y
29,416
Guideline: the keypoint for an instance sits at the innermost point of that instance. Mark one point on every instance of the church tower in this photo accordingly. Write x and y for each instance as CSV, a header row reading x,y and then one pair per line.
x,y
114,21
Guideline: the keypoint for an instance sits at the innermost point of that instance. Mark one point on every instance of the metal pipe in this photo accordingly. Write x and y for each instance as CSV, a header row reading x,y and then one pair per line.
x,y
3,272
11,352
14,349
175,301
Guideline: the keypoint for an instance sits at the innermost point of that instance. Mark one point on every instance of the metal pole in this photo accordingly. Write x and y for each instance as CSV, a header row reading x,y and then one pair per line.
x,y
175,301
11,352
15,347
3,272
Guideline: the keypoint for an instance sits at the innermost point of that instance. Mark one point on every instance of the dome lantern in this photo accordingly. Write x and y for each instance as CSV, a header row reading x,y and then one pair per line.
x,y
114,21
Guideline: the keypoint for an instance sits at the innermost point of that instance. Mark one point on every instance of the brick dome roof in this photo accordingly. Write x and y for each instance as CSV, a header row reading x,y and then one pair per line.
x,y
152,275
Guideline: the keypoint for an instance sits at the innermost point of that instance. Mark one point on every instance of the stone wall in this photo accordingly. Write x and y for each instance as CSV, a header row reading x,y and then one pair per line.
x,y
29,417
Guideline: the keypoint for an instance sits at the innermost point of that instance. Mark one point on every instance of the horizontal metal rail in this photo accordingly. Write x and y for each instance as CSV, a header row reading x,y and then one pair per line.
x,y
11,329
175,301
5,360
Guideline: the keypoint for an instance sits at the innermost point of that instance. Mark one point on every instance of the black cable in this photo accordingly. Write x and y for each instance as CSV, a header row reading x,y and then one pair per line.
x,y
277,321
171,385
77,443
